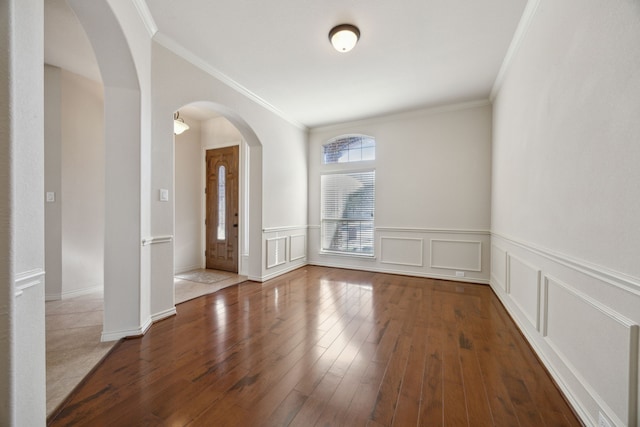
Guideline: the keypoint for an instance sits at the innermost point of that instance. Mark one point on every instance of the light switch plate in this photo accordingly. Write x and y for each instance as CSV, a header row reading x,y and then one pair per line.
x,y
51,197
164,195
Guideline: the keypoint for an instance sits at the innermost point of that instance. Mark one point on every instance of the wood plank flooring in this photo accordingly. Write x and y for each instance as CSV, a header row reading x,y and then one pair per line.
x,y
326,347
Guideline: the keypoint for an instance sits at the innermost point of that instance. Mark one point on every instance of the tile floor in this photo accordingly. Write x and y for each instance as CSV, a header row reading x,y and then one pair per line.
x,y
73,329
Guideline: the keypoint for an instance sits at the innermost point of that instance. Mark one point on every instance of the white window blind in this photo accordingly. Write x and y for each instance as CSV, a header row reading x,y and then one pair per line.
x,y
348,206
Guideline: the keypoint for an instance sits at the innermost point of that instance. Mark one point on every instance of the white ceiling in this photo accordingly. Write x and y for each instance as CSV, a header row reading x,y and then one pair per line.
x,y
411,54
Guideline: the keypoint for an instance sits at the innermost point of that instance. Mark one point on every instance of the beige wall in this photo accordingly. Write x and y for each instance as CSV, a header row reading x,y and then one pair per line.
x,y
188,196
74,170
433,192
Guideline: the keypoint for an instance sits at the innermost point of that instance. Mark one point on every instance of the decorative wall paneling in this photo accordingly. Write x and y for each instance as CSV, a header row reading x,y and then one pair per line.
x,y
298,247
276,251
523,284
581,319
402,251
438,253
285,250
456,254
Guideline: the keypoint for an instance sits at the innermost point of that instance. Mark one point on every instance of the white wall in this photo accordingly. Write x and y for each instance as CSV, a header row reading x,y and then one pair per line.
x,y
22,359
219,132
122,46
277,154
188,196
432,192
565,200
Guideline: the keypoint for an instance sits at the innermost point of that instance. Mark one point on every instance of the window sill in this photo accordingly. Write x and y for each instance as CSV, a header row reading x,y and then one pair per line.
x,y
348,255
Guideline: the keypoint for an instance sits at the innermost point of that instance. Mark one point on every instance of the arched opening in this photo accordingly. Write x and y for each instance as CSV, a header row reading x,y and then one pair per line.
x,y
138,273
74,163
211,212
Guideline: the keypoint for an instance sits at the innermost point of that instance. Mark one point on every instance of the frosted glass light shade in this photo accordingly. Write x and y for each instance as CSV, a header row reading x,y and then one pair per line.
x,y
344,37
179,126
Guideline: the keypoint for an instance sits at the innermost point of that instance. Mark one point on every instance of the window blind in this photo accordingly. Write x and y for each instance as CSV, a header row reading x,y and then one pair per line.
x,y
348,206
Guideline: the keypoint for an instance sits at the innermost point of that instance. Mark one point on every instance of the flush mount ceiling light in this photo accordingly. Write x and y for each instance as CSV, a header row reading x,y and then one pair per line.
x,y
179,125
344,37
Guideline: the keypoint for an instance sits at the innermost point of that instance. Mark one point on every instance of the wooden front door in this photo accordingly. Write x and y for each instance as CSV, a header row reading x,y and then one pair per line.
x,y
222,209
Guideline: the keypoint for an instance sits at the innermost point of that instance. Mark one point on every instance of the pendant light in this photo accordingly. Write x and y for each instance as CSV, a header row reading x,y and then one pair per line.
x,y
179,125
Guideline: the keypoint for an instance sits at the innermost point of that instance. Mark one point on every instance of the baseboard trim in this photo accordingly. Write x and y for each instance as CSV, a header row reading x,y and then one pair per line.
x,y
52,297
163,315
181,270
80,292
129,333
514,313
404,273
275,274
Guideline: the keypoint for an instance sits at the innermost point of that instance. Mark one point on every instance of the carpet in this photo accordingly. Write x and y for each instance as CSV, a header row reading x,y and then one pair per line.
x,y
202,276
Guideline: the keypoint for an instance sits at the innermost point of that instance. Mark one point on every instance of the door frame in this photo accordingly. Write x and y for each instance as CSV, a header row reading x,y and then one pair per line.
x,y
243,204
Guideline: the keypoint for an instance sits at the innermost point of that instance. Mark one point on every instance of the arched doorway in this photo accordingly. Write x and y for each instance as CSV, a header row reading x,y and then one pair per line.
x,y
213,127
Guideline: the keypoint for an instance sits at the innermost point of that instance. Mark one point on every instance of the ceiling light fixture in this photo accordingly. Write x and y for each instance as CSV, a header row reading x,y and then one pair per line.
x,y
344,37
179,125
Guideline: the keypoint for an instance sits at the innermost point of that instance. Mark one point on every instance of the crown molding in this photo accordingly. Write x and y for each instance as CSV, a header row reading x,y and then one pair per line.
x,y
519,35
403,115
195,60
145,15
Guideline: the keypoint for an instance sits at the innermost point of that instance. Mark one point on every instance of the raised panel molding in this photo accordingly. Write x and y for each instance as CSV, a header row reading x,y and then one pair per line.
x,y
523,285
402,251
397,252
499,266
276,253
614,278
465,255
431,230
588,336
297,247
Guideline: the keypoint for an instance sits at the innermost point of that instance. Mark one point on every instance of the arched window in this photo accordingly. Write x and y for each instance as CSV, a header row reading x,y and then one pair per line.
x,y
348,197
349,148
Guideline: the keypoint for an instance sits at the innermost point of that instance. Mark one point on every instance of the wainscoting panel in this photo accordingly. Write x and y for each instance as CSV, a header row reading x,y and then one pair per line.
x,y
582,320
286,250
523,284
402,251
298,246
276,251
598,344
449,254
499,266
456,254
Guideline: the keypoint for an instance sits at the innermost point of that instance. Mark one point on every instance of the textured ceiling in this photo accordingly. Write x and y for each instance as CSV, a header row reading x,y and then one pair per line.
x,y
411,54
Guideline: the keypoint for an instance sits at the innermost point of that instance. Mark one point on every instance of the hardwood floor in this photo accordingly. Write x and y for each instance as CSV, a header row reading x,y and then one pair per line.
x,y
326,347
